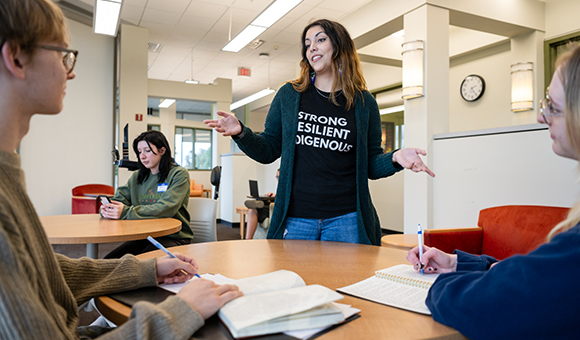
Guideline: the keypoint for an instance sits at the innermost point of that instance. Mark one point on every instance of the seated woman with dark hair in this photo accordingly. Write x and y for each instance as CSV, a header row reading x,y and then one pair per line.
x,y
159,189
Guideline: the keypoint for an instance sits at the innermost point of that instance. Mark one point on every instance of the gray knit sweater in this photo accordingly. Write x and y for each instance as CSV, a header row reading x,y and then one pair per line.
x,y
40,291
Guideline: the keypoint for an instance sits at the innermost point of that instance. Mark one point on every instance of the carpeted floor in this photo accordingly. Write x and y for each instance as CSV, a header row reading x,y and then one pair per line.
x,y
224,233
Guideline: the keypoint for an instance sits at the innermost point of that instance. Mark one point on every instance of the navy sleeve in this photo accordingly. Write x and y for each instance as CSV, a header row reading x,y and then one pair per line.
x,y
470,262
532,296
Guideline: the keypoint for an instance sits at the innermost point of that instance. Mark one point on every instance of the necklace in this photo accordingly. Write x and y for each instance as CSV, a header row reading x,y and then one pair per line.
x,y
337,93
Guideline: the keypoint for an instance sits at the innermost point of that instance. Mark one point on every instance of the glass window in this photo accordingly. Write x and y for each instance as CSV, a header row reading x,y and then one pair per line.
x,y
193,148
153,127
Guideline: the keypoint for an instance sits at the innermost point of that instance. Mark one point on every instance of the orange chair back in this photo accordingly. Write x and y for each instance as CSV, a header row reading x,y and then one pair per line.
x,y
81,204
93,189
517,229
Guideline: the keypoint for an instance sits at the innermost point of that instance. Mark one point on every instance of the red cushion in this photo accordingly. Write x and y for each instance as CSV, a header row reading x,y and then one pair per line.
x,y
84,205
447,240
517,229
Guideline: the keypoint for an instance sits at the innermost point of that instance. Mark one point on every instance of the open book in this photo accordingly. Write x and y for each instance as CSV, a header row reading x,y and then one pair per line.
x,y
398,286
276,302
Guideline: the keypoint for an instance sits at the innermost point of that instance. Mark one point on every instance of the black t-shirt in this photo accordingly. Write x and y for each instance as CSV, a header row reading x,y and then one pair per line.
x,y
324,181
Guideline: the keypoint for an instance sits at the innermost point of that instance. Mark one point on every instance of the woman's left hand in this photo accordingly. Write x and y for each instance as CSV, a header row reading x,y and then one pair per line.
x,y
112,210
171,270
409,158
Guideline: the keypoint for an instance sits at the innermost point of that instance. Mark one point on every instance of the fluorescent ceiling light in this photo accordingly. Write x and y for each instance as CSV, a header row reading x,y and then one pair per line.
x,y
106,18
392,109
251,98
266,19
166,103
192,81
400,33
273,13
248,34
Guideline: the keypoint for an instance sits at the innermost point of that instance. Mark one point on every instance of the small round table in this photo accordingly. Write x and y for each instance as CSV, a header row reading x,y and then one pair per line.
x,y
400,241
91,229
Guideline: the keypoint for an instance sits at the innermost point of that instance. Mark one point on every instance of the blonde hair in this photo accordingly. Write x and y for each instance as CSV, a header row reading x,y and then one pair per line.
x,y
346,66
25,23
569,72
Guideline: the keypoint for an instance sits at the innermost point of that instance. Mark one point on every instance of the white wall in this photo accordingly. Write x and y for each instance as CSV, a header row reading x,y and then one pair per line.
x,y
237,169
561,17
74,147
478,172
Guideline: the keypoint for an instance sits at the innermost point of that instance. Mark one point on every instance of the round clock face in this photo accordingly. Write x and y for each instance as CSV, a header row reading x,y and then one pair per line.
x,y
472,88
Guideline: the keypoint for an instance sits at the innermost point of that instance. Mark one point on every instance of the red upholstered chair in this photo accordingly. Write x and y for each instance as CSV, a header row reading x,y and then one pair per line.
x,y
84,200
502,231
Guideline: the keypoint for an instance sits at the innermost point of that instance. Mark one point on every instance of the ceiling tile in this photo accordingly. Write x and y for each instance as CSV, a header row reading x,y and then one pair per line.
x,y
175,6
161,17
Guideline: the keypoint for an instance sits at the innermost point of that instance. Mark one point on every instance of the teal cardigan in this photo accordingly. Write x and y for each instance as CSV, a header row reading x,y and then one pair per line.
x,y
278,140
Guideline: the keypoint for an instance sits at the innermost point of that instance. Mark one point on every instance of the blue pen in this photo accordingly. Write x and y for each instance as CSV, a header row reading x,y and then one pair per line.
x,y
161,247
420,242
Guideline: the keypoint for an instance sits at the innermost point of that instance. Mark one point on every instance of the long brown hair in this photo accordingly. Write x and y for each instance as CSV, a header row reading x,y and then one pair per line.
x,y
346,66
569,72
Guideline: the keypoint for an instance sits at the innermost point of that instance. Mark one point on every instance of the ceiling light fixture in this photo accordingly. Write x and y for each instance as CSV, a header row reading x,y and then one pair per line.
x,y
166,103
251,98
106,18
266,19
191,80
392,109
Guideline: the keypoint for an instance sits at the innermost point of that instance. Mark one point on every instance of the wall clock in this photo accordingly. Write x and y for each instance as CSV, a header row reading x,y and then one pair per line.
x,y
472,88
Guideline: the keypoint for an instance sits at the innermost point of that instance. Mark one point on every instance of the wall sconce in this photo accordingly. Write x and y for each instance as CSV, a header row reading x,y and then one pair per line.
x,y
522,87
412,69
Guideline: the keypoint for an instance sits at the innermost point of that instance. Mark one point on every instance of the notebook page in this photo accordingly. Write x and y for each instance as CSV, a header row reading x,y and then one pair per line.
x,y
280,279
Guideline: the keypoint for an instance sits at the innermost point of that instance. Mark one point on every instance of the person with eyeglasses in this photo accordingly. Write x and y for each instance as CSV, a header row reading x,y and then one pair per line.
x,y
40,291
532,296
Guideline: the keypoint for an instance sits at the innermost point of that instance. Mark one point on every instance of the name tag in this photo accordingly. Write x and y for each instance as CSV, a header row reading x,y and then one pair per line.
x,y
162,187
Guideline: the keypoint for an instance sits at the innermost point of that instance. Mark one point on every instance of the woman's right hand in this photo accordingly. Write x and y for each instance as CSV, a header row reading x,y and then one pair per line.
x,y
434,260
206,297
228,126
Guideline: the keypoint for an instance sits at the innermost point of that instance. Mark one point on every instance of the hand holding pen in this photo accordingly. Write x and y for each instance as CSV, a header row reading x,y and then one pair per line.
x,y
420,243
435,260
171,271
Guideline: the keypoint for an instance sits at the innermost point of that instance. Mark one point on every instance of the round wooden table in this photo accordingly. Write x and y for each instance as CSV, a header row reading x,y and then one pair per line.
x,y
91,229
400,241
331,264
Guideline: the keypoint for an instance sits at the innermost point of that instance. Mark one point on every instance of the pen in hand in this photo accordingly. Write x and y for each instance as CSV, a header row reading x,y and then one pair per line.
x,y
420,242
161,247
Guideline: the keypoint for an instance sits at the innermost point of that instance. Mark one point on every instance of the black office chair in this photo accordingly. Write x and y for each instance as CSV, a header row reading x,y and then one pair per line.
x,y
216,174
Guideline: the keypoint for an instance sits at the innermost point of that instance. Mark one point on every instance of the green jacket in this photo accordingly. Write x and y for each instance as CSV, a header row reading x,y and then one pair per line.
x,y
278,140
144,201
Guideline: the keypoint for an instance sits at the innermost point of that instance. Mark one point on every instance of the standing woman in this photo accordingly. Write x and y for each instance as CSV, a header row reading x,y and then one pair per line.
x,y
159,189
326,127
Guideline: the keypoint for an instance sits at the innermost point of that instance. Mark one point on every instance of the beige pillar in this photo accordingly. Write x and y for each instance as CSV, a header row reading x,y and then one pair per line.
x,y
427,115
132,88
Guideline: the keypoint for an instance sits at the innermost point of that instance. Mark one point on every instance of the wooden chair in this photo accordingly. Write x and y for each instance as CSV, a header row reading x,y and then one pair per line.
x,y
202,214
85,198
502,231
196,190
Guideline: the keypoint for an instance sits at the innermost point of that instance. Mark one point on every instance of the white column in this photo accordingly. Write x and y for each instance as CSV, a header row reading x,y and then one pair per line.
x,y
427,115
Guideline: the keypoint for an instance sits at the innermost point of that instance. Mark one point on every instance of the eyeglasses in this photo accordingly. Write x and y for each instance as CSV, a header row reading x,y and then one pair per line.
x,y
547,110
69,57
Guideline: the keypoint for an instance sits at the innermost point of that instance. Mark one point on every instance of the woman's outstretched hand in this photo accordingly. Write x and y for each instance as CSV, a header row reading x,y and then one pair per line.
x,y
228,126
409,158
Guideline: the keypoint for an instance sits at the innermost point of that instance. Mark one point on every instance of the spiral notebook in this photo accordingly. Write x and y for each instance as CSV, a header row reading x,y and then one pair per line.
x,y
398,286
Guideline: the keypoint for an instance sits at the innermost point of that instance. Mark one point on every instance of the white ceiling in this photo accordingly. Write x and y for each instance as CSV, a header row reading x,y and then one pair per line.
x,y
198,29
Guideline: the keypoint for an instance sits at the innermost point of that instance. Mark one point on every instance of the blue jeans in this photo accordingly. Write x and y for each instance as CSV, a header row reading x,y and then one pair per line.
x,y
339,229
